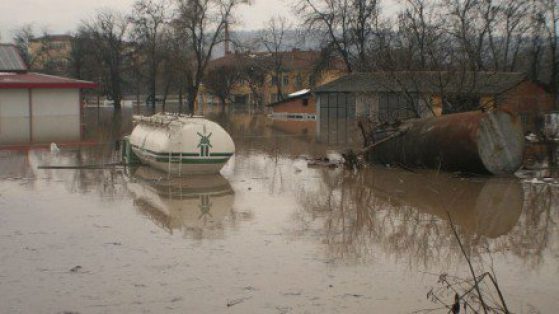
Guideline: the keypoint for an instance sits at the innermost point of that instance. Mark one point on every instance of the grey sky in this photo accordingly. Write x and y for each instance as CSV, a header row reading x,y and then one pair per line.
x,y
62,16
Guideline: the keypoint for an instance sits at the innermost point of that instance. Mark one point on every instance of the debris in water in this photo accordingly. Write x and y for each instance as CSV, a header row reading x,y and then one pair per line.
x,y
114,243
237,301
76,269
54,148
324,162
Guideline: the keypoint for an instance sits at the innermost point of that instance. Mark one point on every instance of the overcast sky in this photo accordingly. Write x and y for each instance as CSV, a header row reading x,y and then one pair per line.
x,y
62,16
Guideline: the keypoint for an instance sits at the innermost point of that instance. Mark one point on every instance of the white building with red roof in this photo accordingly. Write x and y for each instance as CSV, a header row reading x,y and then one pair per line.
x,y
37,108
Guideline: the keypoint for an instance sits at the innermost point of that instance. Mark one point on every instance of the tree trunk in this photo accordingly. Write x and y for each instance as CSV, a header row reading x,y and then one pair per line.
x,y
180,99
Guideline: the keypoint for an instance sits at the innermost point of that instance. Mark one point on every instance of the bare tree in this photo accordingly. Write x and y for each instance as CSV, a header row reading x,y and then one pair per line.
x,y
22,38
149,20
470,23
349,25
82,60
514,26
273,39
549,15
420,37
202,24
220,81
255,74
180,55
78,54
536,48
108,30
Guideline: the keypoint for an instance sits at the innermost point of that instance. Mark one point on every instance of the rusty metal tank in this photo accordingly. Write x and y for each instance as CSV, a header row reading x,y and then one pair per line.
x,y
478,142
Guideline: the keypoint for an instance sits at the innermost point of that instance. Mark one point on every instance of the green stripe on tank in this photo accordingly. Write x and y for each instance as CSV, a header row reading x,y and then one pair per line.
x,y
181,154
200,161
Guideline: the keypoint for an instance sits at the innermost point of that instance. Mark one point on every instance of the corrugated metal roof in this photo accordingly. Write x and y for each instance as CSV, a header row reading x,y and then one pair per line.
x,y
10,60
483,83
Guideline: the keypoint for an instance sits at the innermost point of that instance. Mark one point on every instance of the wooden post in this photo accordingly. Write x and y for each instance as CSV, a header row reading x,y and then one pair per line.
x,y
30,95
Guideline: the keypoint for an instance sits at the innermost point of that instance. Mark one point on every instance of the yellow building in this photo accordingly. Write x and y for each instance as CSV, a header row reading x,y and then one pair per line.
x,y
50,53
292,70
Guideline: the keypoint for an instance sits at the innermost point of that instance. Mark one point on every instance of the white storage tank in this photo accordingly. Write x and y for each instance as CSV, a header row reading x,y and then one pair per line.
x,y
181,145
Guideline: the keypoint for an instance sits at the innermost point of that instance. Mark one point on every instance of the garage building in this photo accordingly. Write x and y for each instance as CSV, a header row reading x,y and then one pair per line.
x,y
37,108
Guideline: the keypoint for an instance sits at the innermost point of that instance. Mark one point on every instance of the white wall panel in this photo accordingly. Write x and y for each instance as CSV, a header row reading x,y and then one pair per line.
x,y
14,103
56,102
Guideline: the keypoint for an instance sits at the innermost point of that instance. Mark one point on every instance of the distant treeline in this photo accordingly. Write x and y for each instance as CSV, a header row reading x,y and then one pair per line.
x,y
164,46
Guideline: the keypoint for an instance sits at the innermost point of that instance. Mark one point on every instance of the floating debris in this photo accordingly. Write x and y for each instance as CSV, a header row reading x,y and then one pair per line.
x,y
75,269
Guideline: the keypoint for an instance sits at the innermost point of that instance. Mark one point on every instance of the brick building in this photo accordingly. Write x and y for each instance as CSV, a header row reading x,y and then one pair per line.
x,y
299,70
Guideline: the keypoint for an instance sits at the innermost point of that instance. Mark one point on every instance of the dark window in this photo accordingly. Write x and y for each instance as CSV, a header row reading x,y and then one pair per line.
x,y
285,80
460,103
299,81
305,102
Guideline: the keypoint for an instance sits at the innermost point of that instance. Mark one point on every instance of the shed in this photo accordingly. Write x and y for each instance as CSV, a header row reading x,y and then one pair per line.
x,y
389,96
37,108
297,105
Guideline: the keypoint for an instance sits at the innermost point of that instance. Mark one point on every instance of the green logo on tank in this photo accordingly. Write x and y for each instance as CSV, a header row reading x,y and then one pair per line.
x,y
204,143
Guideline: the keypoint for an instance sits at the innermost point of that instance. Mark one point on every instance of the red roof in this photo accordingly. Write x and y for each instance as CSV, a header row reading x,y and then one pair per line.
x,y
38,80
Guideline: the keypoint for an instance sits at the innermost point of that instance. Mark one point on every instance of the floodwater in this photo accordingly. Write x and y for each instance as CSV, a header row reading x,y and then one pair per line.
x,y
268,235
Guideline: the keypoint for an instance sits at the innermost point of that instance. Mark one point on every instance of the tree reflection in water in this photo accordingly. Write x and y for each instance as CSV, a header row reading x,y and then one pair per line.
x,y
404,214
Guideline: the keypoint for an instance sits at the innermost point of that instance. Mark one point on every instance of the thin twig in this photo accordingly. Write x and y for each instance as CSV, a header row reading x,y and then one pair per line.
x,y
476,283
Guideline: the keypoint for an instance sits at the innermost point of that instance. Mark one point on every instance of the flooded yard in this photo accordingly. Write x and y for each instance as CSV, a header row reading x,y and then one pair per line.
x,y
268,235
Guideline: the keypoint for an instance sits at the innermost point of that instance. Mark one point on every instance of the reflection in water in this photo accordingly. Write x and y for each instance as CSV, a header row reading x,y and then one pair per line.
x,y
482,206
295,127
363,239
197,205
404,215
20,131
536,230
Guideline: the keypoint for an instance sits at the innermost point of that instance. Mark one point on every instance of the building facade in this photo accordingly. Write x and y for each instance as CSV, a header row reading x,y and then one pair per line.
x,y
298,105
37,108
387,97
50,53
268,78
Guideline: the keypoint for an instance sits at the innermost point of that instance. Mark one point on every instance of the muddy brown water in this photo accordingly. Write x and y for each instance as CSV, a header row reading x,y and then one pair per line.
x,y
268,235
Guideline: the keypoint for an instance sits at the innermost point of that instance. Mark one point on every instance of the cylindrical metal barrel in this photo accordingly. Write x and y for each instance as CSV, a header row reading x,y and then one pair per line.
x,y
478,142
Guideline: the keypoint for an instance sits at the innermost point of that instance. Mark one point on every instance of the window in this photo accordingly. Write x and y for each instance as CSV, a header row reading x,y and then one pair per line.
x,y
274,80
460,103
299,81
285,80
305,102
